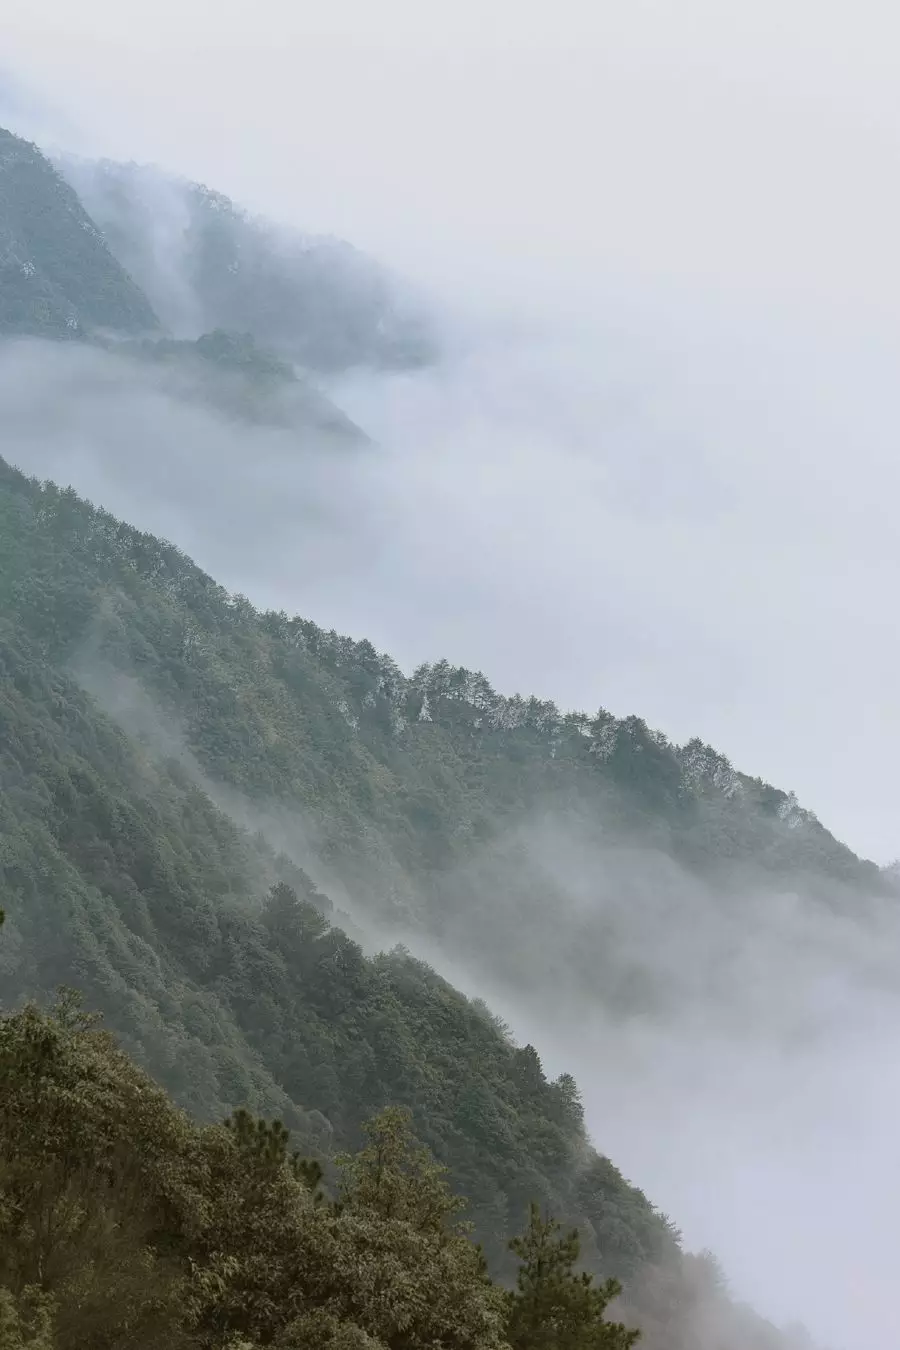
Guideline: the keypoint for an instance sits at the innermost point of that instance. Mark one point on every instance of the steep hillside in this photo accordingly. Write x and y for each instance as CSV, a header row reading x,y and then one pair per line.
x,y
436,804
442,808
209,952
143,712
205,264
57,276
231,374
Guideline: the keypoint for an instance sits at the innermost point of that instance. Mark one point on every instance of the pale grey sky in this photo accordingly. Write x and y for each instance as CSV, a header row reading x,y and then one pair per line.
x,y
732,145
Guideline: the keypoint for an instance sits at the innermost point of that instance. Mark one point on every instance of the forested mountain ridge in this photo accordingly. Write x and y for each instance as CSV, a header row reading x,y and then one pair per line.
x,y
88,247
61,279
58,278
206,264
208,951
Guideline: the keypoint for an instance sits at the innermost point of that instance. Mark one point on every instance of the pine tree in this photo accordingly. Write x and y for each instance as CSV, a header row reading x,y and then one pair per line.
x,y
554,1307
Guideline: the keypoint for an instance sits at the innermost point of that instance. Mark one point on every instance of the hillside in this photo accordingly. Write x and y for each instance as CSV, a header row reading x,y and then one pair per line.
x,y
230,374
59,279
121,876
57,276
178,771
206,264
221,1236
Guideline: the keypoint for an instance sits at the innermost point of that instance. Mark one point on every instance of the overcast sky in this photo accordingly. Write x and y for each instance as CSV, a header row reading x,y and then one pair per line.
x,y
699,206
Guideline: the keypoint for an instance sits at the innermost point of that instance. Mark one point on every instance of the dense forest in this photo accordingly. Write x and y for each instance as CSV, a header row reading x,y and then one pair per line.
x,y
209,950
124,1223
218,824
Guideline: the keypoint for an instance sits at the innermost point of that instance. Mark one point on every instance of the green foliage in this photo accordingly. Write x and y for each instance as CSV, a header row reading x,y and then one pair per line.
x,y
393,1177
26,1323
122,1224
266,1144
57,276
554,1307
90,1153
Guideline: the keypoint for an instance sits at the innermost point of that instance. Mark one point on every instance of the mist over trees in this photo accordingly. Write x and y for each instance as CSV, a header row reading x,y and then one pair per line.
x,y
198,801
122,877
206,264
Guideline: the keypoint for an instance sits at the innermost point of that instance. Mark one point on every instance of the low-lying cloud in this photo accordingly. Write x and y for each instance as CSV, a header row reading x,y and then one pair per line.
x,y
734,1045
694,529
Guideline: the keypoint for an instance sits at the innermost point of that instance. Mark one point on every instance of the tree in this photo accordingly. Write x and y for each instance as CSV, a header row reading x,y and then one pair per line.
x,y
26,1323
264,1145
396,1178
89,1168
553,1306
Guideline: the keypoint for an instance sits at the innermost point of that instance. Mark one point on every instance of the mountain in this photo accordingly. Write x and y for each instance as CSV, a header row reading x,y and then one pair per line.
x,y
150,723
232,375
121,875
206,264
228,828
58,278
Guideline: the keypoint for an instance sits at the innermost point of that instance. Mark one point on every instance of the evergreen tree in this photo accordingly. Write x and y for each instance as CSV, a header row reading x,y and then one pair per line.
x,y
554,1307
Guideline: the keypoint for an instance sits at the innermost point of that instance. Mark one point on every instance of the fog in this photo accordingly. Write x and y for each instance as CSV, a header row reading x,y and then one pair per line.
x,y
752,1094
597,518
657,470
761,1109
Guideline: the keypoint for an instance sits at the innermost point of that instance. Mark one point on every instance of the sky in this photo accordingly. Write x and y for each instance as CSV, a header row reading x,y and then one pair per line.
x,y
665,476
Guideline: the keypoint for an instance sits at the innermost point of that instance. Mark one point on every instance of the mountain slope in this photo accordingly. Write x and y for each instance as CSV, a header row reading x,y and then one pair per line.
x,y
419,797
230,374
205,264
120,875
59,280
57,276
210,953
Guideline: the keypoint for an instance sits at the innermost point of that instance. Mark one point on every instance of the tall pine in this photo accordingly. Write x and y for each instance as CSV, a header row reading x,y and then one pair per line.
x,y
554,1307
